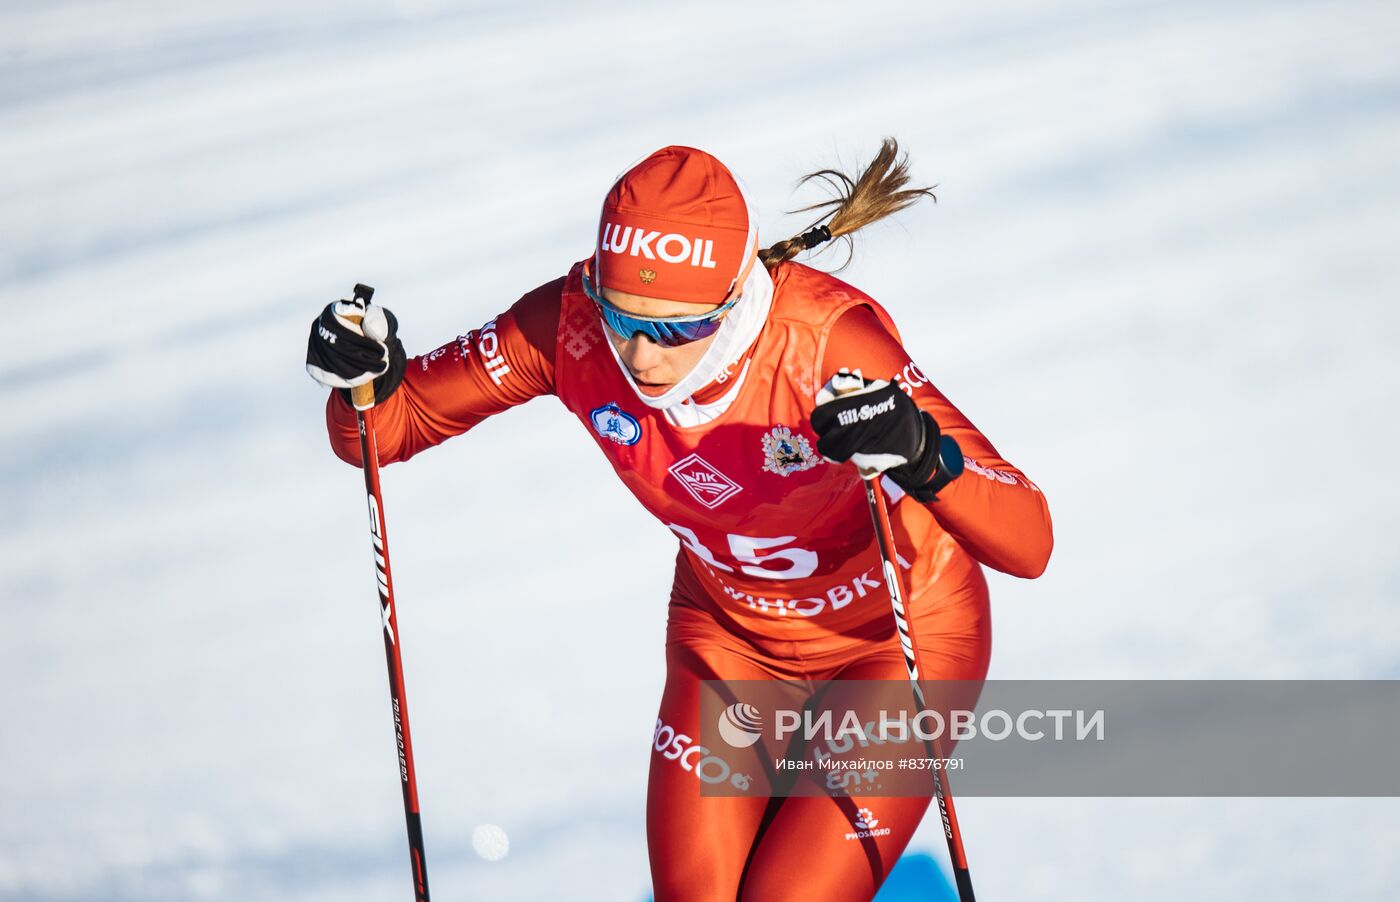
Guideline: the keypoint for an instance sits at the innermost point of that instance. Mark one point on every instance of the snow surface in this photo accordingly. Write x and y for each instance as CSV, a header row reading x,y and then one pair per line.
x,y
1161,275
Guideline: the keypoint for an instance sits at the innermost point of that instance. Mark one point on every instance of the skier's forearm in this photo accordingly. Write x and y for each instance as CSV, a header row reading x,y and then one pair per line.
x,y
422,413
449,390
403,426
994,511
999,517
342,428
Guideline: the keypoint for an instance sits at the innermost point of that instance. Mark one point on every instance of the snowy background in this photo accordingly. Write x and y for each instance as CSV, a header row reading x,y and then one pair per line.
x,y
1162,275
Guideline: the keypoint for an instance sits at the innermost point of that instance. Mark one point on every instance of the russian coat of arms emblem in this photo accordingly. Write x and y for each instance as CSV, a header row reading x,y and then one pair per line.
x,y
785,452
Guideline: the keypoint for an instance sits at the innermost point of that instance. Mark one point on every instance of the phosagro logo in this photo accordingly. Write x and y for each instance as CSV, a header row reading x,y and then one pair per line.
x,y
865,824
740,725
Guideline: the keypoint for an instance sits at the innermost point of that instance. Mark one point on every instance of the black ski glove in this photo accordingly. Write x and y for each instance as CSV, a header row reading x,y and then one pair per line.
x,y
880,429
341,353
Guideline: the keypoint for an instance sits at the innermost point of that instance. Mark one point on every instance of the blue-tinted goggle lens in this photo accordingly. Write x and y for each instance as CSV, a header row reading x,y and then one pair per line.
x,y
668,331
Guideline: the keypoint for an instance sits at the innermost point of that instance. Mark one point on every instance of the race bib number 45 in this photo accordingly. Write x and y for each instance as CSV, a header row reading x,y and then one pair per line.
x,y
767,558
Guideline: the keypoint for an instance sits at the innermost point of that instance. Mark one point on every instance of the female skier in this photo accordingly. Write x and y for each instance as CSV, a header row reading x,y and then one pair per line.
x,y
697,360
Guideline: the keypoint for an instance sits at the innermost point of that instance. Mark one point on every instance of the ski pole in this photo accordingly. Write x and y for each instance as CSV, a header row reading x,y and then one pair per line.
x,y
362,397
942,791
951,465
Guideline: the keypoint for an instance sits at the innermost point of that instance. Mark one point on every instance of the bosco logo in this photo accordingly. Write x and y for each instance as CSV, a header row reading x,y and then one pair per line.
x,y
699,760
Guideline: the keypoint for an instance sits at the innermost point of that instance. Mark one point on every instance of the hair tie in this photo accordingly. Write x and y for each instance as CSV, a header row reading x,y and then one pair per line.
x,y
815,237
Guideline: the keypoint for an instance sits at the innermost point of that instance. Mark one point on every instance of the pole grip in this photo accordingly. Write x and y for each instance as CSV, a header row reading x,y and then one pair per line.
x,y
362,396
950,456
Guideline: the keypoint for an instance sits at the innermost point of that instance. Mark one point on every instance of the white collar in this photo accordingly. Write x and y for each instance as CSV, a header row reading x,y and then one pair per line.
x,y
692,413
737,331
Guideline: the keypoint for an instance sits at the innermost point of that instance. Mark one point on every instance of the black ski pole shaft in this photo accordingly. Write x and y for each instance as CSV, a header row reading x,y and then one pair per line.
x,y
950,467
943,793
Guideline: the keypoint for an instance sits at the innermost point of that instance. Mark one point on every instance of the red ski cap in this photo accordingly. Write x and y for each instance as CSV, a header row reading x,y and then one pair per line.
x,y
676,226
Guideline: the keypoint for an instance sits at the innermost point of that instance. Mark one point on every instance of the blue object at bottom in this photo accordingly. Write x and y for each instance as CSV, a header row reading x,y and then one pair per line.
x,y
917,878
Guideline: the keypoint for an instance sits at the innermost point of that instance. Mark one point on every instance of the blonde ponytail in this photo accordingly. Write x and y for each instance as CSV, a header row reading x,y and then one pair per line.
x,y
879,191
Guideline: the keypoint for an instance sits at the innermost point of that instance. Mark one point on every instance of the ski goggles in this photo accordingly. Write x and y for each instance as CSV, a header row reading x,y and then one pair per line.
x,y
667,331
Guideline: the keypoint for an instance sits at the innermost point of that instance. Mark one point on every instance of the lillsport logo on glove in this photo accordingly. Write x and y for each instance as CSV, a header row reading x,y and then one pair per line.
x,y
864,412
871,423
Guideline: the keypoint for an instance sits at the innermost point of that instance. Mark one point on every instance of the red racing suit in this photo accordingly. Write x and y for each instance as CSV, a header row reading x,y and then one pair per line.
x,y
777,575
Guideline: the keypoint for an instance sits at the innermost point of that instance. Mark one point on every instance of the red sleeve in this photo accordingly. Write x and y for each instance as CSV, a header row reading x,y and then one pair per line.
x,y
998,515
445,392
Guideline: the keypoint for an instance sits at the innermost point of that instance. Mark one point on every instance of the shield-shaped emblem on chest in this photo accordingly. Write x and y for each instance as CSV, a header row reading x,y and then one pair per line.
x,y
785,452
